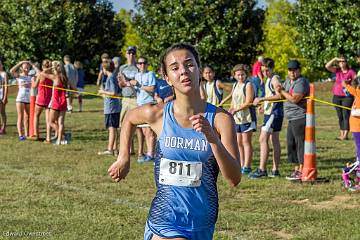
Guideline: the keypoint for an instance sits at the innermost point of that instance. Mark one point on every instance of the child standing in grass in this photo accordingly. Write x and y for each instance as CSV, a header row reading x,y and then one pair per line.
x,y
244,113
81,82
111,106
43,99
354,120
23,80
58,105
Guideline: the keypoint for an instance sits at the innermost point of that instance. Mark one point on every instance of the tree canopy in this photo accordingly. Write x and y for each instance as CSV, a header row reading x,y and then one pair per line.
x,y
225,32
280,35
327,28
38,29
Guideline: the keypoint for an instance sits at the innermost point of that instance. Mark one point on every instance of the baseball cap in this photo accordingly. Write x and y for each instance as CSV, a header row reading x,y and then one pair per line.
x,y
131,49
294,64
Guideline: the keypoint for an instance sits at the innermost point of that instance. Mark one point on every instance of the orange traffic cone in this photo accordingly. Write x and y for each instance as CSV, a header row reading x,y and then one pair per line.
x,y
309,172
33,94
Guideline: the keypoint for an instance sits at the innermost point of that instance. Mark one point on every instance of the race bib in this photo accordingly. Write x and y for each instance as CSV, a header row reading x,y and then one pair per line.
x,y
180,173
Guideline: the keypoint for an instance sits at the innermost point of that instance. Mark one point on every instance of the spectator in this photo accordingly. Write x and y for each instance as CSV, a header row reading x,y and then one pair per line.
x,y
43,99
257,77
111,106
72,76
100,82
341,68
145,82
81,83
163,91
295,89
58,106
127,73
24,81
355,115
244,114
214,88
273,119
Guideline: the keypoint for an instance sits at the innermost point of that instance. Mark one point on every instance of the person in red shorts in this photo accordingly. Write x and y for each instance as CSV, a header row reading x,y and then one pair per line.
x,y
58,106
43,100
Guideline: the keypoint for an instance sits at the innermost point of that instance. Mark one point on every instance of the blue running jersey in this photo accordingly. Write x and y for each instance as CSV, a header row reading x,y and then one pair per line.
x,y
182,153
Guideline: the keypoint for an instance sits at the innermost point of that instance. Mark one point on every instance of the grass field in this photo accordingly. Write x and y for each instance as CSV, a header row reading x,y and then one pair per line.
x,y
64,192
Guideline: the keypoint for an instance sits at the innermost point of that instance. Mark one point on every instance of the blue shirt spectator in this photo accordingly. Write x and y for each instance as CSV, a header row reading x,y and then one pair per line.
x,y
111,105
163,89
145,79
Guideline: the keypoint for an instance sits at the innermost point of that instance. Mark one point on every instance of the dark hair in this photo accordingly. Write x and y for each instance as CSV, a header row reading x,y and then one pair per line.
x,y
108,65
208,66
179,46
67,58
105,56
145,59
345,58
239,67
269,63
46,64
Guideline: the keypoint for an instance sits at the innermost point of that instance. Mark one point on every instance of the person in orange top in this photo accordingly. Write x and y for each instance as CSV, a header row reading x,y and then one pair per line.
x,y
354,120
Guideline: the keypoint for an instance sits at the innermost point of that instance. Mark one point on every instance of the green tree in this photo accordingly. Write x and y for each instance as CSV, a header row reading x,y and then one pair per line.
x,y
327,28
280,36
131,37
38,29
225,32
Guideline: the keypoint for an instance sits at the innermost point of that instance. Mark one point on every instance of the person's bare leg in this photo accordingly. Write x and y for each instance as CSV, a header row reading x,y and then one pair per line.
x,y
241,149
112,139
48,125
140,138
20,118
248,149
264,149
26,119
38,111
61,124
2,117
276,150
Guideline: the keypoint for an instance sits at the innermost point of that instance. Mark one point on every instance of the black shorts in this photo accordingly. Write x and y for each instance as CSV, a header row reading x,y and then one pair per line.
x,y
246,127
112,120
272,124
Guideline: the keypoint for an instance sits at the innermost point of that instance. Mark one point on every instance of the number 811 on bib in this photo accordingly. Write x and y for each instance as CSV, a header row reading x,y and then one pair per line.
x,y
180,173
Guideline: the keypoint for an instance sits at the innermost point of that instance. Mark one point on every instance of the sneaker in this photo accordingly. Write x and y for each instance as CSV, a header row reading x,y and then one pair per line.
x,y
141,159
148,158
275,173
258,173
245,170
294,176
2,131
106,152
22,138
116,153
53,138
67,136
64,142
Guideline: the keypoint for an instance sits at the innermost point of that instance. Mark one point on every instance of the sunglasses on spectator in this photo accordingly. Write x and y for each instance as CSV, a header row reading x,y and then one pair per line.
x,y
140,63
